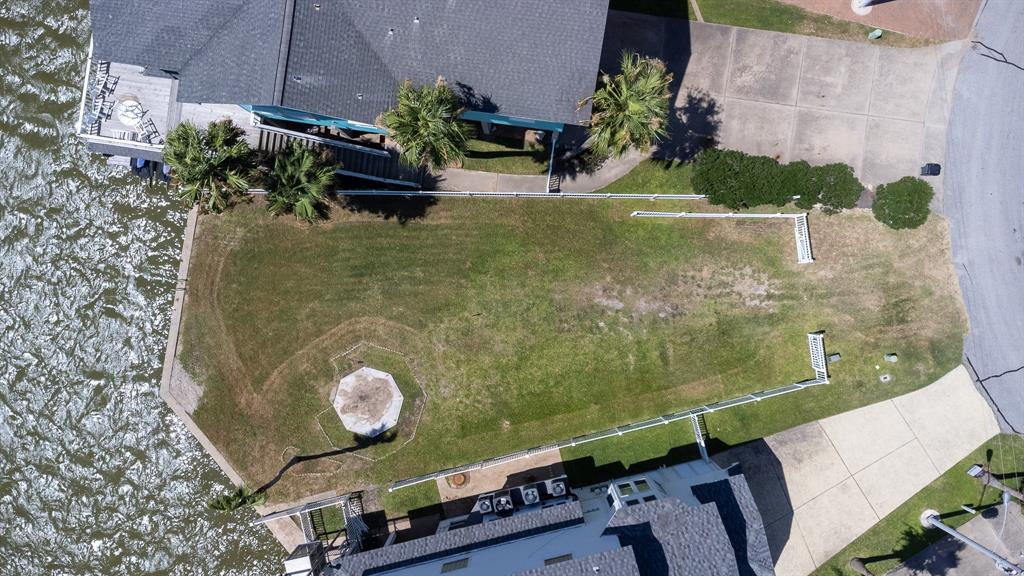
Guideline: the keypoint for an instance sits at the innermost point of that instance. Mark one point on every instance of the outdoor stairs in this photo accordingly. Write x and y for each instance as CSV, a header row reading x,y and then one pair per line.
x,y
317,523
355,526
816,343
555,182
357,161
803,240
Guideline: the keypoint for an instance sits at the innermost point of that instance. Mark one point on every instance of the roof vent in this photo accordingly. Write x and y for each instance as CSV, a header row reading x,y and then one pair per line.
x,y
416,20
297,78
316,7
359,96
391,31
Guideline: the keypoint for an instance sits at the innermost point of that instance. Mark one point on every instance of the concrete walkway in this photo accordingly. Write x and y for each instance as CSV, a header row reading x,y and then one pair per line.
x,y
457,179
820,485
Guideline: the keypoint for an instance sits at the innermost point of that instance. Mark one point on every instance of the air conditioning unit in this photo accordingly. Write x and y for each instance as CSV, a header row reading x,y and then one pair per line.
x,y
558,488
503,503
484,505
531,495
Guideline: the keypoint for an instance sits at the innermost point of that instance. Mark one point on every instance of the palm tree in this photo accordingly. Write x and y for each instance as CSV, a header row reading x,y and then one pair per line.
x,y
298,183
238,498
630,108
208,165
425,124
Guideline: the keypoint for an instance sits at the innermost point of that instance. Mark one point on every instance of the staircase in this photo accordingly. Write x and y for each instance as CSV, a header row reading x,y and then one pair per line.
x,y
803,240
356,161
355,526
816,343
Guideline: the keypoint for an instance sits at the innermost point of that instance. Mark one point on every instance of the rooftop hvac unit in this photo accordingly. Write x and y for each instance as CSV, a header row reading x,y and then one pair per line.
x,y
503,503
531,495
558,488
484,505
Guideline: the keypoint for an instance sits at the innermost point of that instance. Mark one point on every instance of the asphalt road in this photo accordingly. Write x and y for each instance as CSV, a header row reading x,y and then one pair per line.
x,y
984,200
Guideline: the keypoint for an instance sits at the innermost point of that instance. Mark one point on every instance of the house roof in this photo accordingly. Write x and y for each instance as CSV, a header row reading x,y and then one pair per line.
x,y
527,58
223,52
461,540
618,562
724,535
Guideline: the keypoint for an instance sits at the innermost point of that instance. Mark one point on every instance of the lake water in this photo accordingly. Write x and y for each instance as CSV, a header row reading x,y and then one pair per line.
x,y
97,476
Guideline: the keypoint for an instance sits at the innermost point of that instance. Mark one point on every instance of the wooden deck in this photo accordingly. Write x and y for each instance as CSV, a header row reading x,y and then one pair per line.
x,y
154,94
203,114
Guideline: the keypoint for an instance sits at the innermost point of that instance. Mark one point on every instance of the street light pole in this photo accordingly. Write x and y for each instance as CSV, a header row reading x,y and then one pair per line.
x,y
930,519
981,473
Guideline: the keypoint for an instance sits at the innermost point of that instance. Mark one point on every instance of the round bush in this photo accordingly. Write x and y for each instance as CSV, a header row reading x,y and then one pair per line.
x,y
904,203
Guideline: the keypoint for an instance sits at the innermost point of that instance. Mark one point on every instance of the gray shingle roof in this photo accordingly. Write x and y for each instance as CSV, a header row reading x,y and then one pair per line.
x,y
617,562
531,58
461,540
672,539
224,51
742,523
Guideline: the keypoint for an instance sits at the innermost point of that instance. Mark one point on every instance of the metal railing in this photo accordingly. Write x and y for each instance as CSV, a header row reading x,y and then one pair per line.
x,y
817,337
582,195
803,237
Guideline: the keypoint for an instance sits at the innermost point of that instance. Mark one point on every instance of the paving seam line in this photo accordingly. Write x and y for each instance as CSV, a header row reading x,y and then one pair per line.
x,y
728,64
873,462
871,94
796,101
914,432
803,539
830,110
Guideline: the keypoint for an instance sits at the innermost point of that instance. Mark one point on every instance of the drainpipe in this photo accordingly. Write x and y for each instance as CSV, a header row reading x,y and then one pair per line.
x,y
551,161
930,519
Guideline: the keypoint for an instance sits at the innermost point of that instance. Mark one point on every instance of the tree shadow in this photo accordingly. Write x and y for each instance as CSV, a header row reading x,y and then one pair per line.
x,y
693,126
474,101
401,208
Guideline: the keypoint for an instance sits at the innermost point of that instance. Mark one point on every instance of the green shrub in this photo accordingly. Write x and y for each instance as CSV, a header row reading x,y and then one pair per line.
x,y
718,174
795,180
904,203
835,186
736,180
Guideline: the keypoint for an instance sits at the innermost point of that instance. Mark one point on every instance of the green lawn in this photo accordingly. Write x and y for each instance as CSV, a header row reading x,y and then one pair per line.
x,y
654,177
507,156
900,535
531,321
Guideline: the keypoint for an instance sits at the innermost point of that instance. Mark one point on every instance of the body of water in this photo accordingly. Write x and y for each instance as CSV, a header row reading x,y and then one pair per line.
x,y
97,476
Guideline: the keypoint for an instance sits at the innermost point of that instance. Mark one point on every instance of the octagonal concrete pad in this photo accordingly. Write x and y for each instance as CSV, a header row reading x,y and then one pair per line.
x,y
368,401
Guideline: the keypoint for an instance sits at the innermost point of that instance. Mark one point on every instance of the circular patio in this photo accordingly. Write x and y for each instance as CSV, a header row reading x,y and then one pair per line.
x,y
368,401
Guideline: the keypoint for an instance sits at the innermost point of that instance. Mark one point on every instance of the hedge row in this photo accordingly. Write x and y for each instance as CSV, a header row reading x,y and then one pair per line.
x,y
737,180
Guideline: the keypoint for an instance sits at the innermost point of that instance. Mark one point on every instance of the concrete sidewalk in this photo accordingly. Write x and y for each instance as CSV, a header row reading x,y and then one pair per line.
x,y
821,485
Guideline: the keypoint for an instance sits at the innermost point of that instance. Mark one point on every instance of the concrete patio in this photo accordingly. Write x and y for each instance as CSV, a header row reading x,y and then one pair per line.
x,y
820,485
881,110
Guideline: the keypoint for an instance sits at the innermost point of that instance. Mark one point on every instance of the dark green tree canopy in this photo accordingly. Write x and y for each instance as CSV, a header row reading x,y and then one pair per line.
x,y
298,183
239,498
630,108
835,186
425,123
904,203
211,165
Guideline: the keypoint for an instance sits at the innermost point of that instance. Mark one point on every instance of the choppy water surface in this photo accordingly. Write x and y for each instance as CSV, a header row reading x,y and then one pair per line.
x,y
97,476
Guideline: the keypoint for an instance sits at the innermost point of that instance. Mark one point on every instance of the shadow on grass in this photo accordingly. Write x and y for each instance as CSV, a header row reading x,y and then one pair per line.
x,y
401,208
360,443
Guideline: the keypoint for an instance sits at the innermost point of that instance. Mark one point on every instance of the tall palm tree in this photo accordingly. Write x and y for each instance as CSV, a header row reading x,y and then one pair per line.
x,y
238,498
208,165
630,108
298,183
425,123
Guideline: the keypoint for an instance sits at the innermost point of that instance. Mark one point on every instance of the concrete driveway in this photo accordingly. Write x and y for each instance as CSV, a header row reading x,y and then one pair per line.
x,y
985,203
821,485
881,110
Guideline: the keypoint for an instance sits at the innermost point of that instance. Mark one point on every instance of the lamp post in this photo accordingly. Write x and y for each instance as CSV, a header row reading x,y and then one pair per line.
x,y
861,7
930,519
